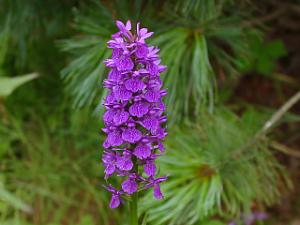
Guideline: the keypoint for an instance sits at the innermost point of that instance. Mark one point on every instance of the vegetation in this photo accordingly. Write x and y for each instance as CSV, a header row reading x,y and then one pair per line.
x,y
224,160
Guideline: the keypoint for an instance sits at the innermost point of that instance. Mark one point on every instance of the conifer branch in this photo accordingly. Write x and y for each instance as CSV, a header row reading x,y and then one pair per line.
x,y
260,135
278,114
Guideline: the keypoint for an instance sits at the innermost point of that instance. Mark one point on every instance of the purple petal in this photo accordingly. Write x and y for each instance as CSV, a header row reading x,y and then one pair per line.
x,y
124,29
144,33
109,170
142,151
134,84
109,116
120,117
108,157
160,133
161,179
114,138
141,51
128,25
121,93
153,69
115,75
152,96
124,64
120,25
161,146
116,53
131,135
106,144
161,68
124,163
110,98
139,109
111,189
157,192
115,201
109,63
150,123
161,106
261,215
128,164
129,186
232,223
155,84
150,168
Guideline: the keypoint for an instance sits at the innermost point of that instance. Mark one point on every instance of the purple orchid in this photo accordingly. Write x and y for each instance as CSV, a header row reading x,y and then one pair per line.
x,y
249,219
116,196
134,120
155,183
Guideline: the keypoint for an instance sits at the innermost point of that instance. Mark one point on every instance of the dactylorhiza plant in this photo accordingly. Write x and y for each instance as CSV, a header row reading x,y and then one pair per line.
x,y
134,113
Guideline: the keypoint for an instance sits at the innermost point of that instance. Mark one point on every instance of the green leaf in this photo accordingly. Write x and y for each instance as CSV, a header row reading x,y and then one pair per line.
x,y
263,55
12,200
9,84
265,65
276,49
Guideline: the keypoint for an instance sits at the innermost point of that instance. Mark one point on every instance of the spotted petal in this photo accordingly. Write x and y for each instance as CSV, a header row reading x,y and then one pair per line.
x,y
121,93
115,75
152,69
150,168
139,109
150,123
114,138
142,151
124,163
120,117
131,135
141,51
129,186
152,96
124,64
109,116
134,84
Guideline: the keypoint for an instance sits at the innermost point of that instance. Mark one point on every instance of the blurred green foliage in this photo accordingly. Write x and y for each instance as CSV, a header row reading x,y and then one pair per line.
x,y
50,169
220,173
264,55
9,84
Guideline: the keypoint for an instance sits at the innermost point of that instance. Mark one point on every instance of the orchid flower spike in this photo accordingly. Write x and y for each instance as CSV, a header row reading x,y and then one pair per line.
x,y
134,119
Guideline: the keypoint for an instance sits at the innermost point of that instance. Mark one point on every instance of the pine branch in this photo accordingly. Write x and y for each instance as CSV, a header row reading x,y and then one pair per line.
x,y
267,126
285,149
278,115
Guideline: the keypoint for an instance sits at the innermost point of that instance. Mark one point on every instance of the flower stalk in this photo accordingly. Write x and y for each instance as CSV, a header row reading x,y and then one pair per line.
x,y
134,209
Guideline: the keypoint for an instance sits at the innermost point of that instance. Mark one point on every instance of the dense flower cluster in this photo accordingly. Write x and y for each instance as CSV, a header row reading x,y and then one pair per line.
x,y
134,113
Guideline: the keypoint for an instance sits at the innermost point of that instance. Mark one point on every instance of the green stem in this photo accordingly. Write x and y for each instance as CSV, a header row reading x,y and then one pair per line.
x,y
133,209
133,205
